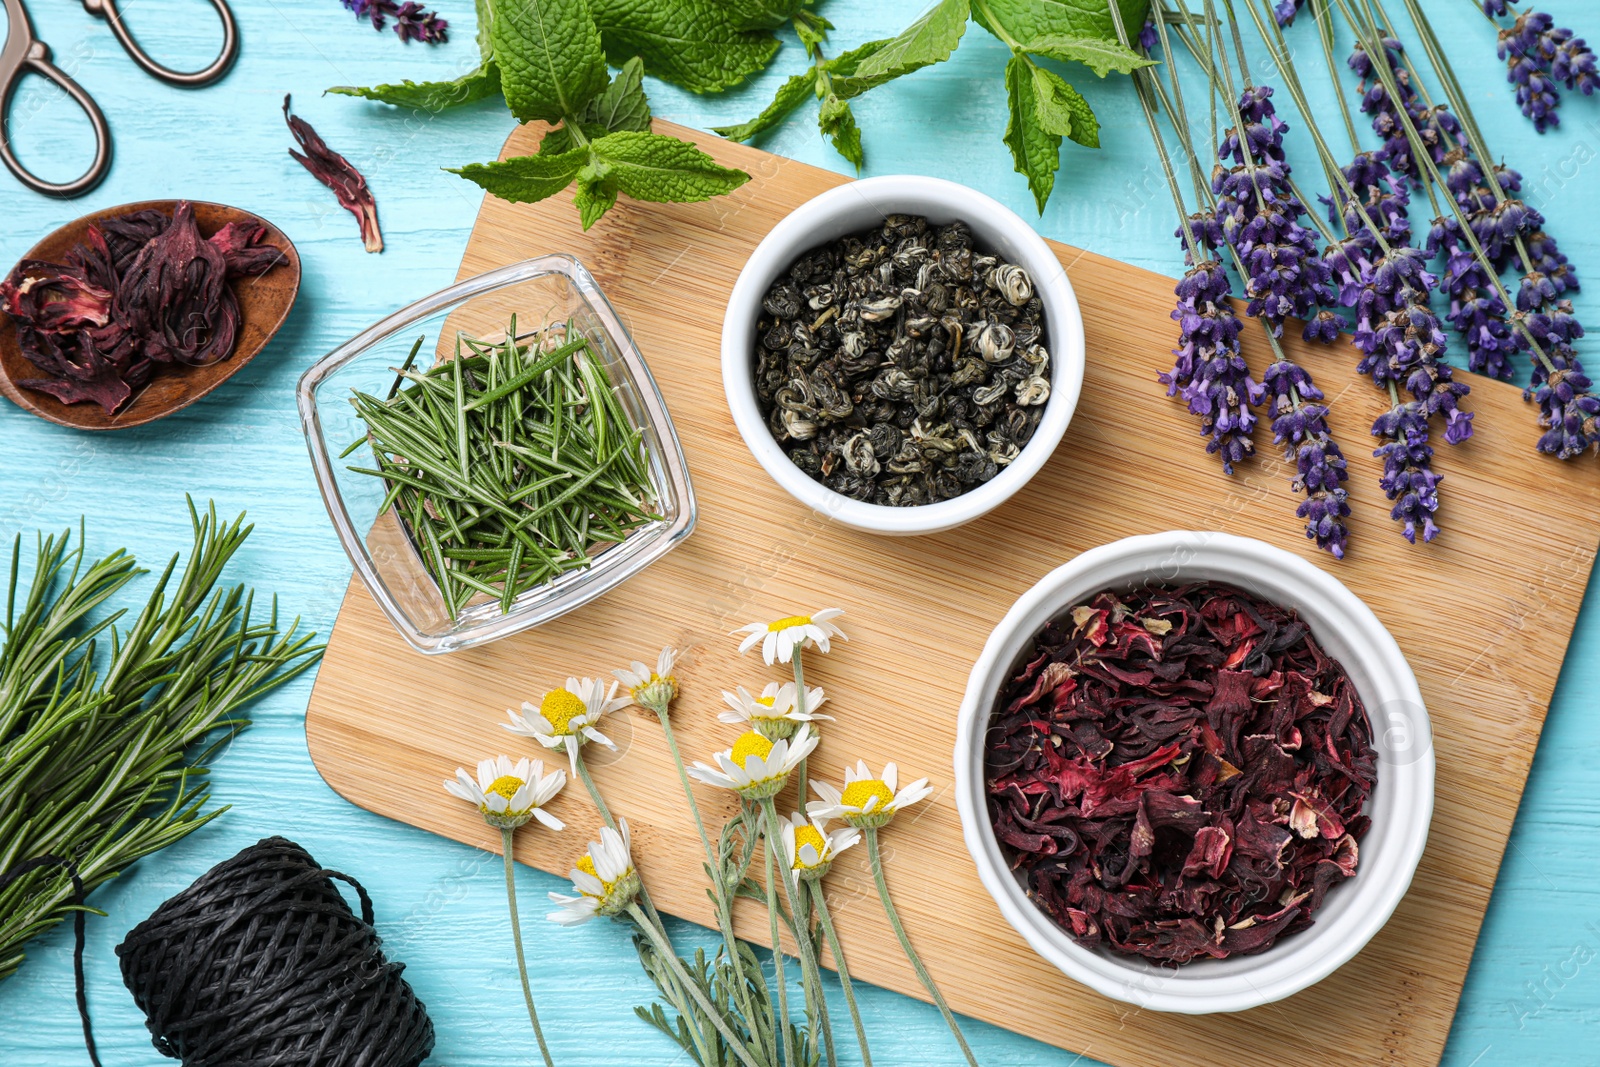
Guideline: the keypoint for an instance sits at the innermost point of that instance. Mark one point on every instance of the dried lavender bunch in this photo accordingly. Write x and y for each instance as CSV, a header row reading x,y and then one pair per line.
x,y
412,22
1539,57
1209,371
1300,424
1438,128
1263,220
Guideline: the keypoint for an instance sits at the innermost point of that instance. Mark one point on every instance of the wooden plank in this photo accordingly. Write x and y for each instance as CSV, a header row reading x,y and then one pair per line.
x,y
1484,615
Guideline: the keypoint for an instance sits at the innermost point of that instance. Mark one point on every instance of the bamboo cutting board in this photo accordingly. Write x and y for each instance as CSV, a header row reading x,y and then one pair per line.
x,y
1484,615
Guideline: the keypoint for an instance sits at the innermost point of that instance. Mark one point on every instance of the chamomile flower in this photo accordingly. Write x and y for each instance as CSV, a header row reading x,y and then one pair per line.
x,y
866,802
565,718
811,849
509,794
757,767
780,639
605,879
774,713
652,689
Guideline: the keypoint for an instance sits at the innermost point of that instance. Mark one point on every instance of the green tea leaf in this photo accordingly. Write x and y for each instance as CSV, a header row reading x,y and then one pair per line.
x,y
432,96
1035,149
526,179
1096,53
928,40
550,57
791,94
649,166
704,46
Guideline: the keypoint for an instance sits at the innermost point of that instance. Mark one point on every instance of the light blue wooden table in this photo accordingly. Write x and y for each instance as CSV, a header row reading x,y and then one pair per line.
x,y
1534,990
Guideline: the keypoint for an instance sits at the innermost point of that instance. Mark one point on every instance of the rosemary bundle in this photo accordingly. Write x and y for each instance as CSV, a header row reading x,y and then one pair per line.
x,y
510,464
104,729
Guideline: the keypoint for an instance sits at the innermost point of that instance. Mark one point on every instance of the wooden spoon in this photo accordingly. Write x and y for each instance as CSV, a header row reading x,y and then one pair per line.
x,y
264,303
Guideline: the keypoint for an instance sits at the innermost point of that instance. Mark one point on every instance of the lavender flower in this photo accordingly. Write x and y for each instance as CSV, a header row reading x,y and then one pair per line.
x,y
1300,424
1408,478
1494,8
1209,371
1568,407
1261,218
1385,199
1438,129
1539,56
412,21
1148,38
1476,309
1286,10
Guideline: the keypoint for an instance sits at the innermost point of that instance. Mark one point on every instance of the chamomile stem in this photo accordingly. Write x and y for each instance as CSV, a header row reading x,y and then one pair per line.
x,y
875,859
658,940
811,975
777,965
714,867
516,935
844,972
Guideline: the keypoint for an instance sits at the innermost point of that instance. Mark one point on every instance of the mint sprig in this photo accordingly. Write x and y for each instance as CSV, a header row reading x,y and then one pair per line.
x,y
1043,107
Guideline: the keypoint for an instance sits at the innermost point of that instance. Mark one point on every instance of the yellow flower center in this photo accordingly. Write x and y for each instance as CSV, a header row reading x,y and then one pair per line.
x,y
750,744
559,707
792,620
857,793
586,865
767,701
808,835
506,785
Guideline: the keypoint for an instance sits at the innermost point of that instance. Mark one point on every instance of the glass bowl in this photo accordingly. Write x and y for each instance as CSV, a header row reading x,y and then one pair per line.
x,y
548,289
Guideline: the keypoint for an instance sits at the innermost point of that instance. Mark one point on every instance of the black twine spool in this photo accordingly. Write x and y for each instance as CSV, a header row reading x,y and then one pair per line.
x,y
261,963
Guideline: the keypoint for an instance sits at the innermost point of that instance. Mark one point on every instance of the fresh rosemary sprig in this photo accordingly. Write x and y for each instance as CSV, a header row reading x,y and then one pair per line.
x,y
105,730
508,464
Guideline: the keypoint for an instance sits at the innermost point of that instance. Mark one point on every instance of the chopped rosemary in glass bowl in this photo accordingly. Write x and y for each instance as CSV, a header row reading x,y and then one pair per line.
x,y
524,469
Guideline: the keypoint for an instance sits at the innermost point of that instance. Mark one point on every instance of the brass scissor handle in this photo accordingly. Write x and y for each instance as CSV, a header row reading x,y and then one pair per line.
x,y
107,9
22,53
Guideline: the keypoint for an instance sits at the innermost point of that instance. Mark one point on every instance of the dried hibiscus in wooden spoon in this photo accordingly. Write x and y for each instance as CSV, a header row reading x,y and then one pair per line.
x,y
141,290
1179,772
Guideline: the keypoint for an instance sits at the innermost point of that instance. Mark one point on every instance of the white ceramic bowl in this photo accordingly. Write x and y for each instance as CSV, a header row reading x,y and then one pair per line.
x,y
1400,806
861,205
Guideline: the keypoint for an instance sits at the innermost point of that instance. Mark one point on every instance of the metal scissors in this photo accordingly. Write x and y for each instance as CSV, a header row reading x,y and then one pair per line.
x,y
24,53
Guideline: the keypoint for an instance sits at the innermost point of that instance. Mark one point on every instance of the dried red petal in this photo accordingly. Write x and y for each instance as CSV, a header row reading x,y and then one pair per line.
x,y
335,171
175,298
1179,773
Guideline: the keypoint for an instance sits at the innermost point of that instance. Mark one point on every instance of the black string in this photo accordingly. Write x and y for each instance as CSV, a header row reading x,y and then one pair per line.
x,y
78,930
261,963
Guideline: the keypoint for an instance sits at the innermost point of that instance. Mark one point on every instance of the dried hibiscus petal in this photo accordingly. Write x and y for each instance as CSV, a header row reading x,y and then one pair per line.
x,y
1179,772
141,289
335,171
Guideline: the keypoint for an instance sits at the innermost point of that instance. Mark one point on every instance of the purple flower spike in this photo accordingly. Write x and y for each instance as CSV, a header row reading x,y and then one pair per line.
x,y
1286,10
1300,424
412,22
1494,8
1568,406
1209,372
1439,130
1408,477
1540,56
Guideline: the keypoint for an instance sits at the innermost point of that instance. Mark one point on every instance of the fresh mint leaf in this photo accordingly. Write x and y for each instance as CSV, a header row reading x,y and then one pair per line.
x,y
928,40
1085,127
485,13
526,179
622,104
704,46
762,14
550,58
594,195
812,30
649,166
1096,53
838,124
791,94
1054,100
1035,149
432,96
1017,22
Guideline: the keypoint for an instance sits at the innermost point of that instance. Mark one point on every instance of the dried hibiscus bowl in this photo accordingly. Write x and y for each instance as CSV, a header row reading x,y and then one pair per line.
x,y
1396,813
995,232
